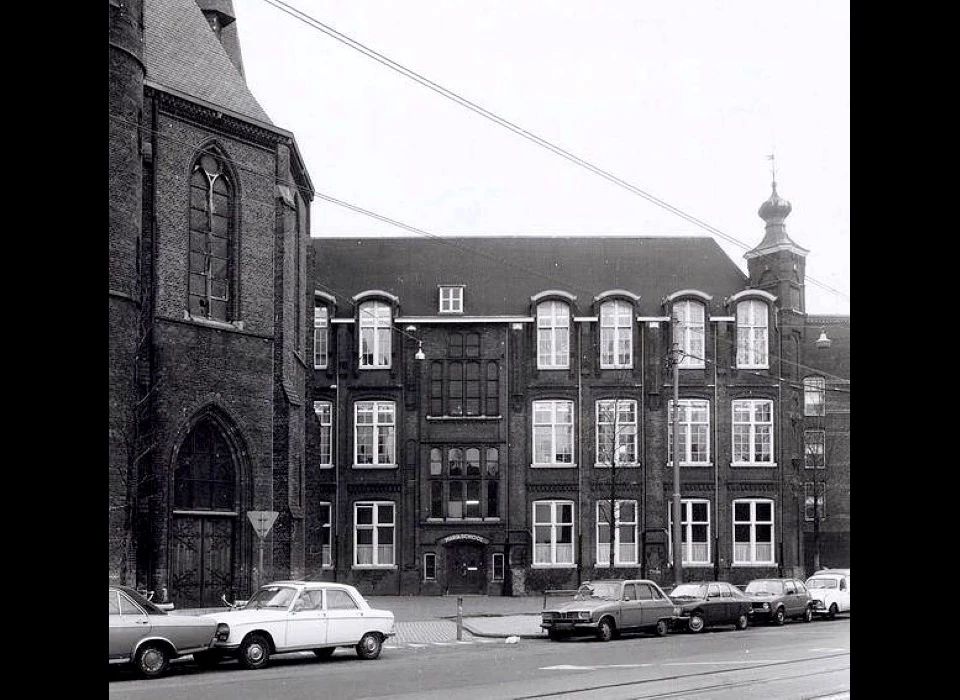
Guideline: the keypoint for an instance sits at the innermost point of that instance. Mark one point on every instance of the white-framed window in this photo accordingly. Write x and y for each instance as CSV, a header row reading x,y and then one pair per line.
x,y
373,534
553,433
321,330
694,531
752,334
811,509
451,300
694,432
324,412
617,441
753,531
553,335
553,533
625,527
324,519
691,333
616,335
813,449
753,432
814,390
375,434
498,566
375,325
429,566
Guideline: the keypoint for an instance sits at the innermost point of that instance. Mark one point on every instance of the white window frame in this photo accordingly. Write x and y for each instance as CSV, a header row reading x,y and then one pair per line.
x,y
751,547
428,556
756,431
753,336
326,550
386,429
451,299
556,557
616,330
555,430
324,413
321,335
809,448
687,523
377,551
691,333
376,324
814,395
631,550
553,335
626,436
689,427
808,505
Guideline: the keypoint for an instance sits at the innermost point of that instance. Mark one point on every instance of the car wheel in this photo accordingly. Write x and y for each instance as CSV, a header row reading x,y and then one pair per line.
x,y
151,660
254,652
605,630
324,653
742,622
695,622
832,613
369,646
779,617
662,628
808,614
207,659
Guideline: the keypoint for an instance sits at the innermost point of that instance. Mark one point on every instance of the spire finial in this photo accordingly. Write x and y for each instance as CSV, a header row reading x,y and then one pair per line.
x,y
773,169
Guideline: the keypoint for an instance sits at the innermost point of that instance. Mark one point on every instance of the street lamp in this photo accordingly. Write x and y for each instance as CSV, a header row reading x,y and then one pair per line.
x,y
822,343
676,353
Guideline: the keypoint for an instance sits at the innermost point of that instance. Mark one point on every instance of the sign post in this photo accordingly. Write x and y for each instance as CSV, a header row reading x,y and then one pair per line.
x,y
262,521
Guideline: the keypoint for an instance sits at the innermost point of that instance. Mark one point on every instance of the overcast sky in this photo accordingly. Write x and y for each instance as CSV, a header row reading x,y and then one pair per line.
x,y
683,101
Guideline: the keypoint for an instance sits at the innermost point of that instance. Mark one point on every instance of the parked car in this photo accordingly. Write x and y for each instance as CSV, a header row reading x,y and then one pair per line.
x,y
776,599
298,616
606,608
830,589
147,637
711,603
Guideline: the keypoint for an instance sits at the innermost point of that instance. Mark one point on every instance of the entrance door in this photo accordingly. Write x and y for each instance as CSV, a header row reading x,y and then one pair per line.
x,y
466,567
201,560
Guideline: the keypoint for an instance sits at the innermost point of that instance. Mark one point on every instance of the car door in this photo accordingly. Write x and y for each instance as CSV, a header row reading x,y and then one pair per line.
x,y
655,605
792,601
307,621
631,610
714,608
345,621
128,625
844,594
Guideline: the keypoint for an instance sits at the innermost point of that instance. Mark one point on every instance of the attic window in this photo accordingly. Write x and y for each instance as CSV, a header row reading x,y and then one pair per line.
x,y
451,299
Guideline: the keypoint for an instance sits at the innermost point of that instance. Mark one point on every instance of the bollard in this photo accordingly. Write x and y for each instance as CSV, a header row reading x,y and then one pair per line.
x,y
459,618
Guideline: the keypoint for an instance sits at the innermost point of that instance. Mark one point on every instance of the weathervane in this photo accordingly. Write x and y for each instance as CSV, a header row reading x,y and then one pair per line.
x,y
773,167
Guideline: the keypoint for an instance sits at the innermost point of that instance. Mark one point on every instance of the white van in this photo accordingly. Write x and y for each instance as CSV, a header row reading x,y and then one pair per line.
x,y
830,589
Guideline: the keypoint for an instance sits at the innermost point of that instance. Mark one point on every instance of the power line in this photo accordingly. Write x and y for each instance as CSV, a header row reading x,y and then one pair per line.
x,y
462,101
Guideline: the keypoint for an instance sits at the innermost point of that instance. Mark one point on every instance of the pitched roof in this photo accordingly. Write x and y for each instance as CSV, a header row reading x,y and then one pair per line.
x,y
182,54
502,273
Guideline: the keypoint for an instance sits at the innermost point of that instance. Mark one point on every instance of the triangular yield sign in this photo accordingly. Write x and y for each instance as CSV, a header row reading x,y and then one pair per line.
x,y
262,520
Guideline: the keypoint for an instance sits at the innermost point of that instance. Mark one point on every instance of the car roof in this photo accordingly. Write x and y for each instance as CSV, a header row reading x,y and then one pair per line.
x,y
311,584
842,572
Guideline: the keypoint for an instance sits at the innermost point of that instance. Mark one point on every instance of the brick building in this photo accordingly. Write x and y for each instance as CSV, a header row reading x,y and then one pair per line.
x,y
489,413
209,309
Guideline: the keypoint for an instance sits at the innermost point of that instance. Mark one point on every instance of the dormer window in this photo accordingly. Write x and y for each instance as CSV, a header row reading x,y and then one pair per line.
x,y
451,299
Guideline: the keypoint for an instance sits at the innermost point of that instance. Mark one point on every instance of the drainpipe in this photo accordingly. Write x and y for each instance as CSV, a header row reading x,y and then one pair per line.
x,y
716,461
580,462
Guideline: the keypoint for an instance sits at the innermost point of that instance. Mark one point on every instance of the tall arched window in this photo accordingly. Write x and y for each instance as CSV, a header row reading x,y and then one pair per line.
x,y
690,333
205,478
212,193
616,335
553,335
752,334
375,324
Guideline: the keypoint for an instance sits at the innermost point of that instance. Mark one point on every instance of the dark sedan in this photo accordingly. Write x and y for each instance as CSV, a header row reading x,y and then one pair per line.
x,y
707,604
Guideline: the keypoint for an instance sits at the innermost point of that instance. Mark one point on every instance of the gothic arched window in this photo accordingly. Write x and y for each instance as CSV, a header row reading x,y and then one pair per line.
x,y
210,275
205,478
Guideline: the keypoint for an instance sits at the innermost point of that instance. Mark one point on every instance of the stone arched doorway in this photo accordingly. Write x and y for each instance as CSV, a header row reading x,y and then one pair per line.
x,y
204,528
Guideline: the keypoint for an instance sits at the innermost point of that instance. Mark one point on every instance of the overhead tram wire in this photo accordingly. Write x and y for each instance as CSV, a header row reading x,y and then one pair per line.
x,y
240,165
462,101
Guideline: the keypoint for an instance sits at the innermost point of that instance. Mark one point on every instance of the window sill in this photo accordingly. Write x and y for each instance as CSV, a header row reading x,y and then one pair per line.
x,y
554,566
753,366
616,366
552,465
439,521
366,367
619,565
553,368
374,466
753,564
692,464
375,567
627,465
225,325
753,464
459,418
324,466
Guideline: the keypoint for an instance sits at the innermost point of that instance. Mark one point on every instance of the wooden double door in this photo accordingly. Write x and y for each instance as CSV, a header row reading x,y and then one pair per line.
x,y
202,560
466,567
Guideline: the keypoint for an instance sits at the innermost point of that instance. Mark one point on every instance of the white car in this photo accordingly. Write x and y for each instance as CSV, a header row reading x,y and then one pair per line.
x,y
830,589
289,616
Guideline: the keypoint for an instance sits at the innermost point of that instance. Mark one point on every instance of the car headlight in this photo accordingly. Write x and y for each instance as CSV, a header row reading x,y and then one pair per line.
x,y
584,615
676,611
223,632
766,606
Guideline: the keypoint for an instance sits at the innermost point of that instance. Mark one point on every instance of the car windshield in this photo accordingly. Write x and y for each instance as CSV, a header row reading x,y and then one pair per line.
x,y
272,597
689,590
774,587
821,583
598,591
